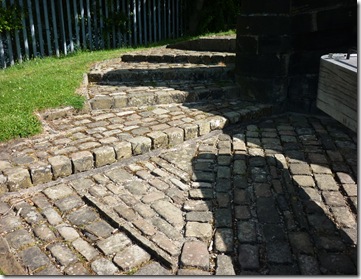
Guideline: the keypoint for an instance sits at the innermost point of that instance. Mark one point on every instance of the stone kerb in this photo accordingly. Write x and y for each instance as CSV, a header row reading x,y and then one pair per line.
x,y
16,178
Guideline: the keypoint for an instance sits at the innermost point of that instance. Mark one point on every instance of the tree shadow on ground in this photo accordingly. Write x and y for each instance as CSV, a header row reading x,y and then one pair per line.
x,y
278,206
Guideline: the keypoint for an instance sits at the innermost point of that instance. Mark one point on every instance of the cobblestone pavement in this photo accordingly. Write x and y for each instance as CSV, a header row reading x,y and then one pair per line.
x,y
148,184
278,196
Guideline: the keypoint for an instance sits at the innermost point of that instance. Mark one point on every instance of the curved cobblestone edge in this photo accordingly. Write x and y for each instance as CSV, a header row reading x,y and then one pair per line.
x,y
15,178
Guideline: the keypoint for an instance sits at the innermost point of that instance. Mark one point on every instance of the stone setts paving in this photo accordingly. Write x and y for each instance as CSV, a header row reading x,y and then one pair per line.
x,y
209,188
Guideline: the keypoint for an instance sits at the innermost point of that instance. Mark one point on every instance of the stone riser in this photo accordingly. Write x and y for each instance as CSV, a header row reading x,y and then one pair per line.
x,y
116,100
202,59
194,74
63,166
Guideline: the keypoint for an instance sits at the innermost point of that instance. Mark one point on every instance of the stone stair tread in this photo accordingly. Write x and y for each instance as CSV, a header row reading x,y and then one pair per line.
x,y
88,140
166,51
116,95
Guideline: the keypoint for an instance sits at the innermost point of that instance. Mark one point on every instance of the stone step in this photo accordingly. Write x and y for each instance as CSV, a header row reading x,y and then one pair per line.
x,y
116,70
121,95
85,141
218,43
169,55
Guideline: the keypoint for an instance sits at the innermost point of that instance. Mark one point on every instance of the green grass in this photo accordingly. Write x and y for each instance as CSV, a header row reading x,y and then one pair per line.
x,y
39,84
36,85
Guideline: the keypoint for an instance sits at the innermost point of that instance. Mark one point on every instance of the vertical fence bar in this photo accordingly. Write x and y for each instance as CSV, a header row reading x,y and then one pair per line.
x,y
164,19
126,35
89,24
101,30
135,23
55,28
106,27
139,22
76,22
82,24
2,54
150,16
173,19
95,21
119,33
62,27
169,20
113,27
145,11
159,22
9,44
25,35
32,28
155,20
47,27
40,28
68,17
17,42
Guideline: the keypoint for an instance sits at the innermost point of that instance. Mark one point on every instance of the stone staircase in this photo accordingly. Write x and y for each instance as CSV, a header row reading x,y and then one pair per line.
x,y
145,100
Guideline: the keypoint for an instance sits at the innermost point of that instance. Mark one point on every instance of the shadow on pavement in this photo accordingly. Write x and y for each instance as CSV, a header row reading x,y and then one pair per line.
x,y
279,192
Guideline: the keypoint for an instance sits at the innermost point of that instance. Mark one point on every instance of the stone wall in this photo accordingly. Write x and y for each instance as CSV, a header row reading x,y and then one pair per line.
x,y
279,45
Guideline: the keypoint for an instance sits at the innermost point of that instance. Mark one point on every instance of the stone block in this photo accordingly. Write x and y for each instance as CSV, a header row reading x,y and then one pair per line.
x,y
62,253
190,131
159,139
224,266
200,230
131,257
140,145
85,249
58,191
195,254
102,266
204,127
18,178
104,156
223,240
122,150
101,102
114,243
217,122
61,166
248,256
166,244
34,258
175,136
40,173
82,161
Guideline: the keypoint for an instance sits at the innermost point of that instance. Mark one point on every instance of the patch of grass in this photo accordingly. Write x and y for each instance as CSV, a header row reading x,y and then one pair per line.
x,y
38,84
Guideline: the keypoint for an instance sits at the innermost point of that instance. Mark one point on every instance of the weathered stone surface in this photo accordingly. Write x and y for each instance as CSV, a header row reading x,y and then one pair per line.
x,y
140,145
84,248
82,161
248,256
224,266
152,269
199,230
223,240
104,156
57,192
159,139
40,173
19,239
195,254
102,266
122,150
34,258
62,253
169,212
18,178
131,257
113,243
